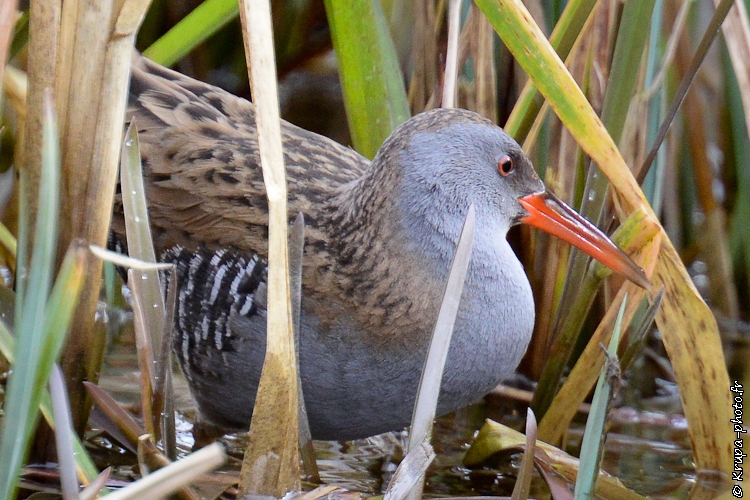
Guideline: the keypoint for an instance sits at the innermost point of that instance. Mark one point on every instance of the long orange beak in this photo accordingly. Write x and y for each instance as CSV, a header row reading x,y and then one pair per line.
x,y
548,213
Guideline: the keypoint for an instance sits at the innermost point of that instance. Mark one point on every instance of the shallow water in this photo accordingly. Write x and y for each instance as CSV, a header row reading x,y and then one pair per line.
x,y
647,448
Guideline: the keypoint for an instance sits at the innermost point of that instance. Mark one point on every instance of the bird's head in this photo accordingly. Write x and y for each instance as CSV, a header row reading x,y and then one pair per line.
x,y
455,157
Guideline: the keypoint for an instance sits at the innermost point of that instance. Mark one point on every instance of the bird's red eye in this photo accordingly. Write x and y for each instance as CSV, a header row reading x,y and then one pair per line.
x,y
506,165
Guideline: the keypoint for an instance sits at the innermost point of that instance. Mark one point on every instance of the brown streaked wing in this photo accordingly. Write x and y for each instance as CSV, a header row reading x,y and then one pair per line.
x,y
203,178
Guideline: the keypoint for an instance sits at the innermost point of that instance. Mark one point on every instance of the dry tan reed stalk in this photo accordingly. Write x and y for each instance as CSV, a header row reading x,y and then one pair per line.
x,y
94,42
450,84
271,462
44,30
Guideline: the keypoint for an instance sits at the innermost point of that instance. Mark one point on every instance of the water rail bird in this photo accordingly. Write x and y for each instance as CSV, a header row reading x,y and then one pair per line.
x,y
380,236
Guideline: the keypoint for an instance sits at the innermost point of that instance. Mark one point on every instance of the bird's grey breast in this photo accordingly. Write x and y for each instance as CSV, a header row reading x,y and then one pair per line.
x,y
493,326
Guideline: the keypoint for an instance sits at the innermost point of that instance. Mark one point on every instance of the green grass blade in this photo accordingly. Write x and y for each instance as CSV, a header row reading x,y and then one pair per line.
x,y
291,35
22,399
636,16
641,324
371,80
593,436
208,18
575,314
87,471
654,179
20,35
59,311
138,231
7,239
562,38
34,363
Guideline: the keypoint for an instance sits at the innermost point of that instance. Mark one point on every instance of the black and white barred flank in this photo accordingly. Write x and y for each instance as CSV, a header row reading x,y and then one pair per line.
x,y
213,289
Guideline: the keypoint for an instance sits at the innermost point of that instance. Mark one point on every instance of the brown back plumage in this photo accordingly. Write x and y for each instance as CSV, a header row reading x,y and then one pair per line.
x,y
203,178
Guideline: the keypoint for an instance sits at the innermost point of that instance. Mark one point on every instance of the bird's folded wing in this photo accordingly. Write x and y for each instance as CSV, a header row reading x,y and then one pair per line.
x,y
201,165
